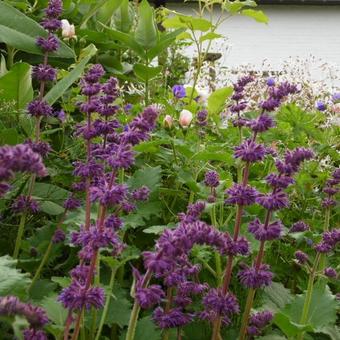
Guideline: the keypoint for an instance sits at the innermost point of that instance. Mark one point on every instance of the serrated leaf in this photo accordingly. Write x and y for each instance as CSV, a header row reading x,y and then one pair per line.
x,y
276,296
62,281
148,176
12,281
51,208
146,330
259,16
41,289
217,99
54,309
322,312
50,192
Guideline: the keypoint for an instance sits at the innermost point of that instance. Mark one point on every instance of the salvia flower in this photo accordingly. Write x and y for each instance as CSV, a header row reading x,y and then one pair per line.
x,y
59,236
171,319
141,194
39,108
273,201
258,321
299,226
241,195
250,151
301,257
25,204
43,72
149,297
272,232
218,304
330,272
212,179
251,277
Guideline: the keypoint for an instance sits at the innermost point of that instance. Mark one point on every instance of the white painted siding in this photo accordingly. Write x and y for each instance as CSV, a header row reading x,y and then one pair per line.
x,y
297,31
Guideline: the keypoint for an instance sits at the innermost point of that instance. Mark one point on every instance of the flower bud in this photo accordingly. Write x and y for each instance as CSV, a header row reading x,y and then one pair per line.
x,y
185,118
168,122
68,30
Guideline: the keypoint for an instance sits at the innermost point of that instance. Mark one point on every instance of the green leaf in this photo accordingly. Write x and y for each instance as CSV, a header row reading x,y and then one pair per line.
x,y
259,16
62,85
216,101
146,33
107,10
127,39
165,40
51,208
184,36
9,136
148,176
62,281
41,289
19,31
235,6
156,229
16,85
119,311
146,73
210,36
322,312
276,296
123,17
55,311
184,21
50,192
12,281
146,330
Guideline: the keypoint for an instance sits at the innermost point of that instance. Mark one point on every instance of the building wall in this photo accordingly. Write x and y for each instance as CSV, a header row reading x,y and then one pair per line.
x,y
293,31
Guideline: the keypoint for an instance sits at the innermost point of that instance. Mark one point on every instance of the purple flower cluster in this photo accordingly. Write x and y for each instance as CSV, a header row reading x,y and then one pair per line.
x,y
272,232
331,189
238,96
202,118
36,316
252,277
212,179
25,204
216,304
301,257
249,151
299,226
330,240
258,321
18,158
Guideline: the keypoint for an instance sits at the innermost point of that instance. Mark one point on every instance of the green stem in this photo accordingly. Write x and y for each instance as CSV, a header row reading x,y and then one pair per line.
x,y
245,318
130,335
19,235
107,304
42,264
309,294
10,56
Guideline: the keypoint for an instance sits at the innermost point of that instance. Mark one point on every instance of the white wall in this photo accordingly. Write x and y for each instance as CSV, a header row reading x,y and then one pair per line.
x,y
297,31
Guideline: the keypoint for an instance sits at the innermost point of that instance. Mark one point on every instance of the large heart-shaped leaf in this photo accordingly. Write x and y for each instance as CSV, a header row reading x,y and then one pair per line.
x,y
19,31
16,85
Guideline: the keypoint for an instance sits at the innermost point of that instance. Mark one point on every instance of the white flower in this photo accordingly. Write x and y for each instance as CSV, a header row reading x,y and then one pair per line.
x,y
203,95
185,118
68,30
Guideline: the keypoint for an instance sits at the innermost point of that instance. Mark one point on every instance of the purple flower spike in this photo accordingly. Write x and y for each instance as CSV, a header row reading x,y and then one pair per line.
x,y
330,272
59,236
212,179
301,257
252,278
49,44
262,123
258,321
242,195
272,232
34,334
250,152
273,201
43,72
299,226
38,108
173,318
149,297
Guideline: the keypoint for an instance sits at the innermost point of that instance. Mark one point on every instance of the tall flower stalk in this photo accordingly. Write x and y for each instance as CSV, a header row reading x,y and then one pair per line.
x,y
242,194
109,150
39,108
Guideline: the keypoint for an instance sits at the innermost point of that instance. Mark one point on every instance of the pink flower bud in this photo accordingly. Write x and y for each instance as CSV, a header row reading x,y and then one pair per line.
x,y
185,118
168,121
